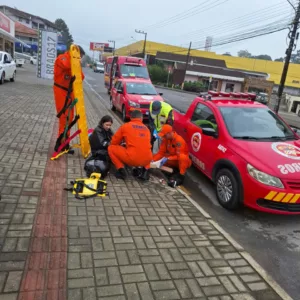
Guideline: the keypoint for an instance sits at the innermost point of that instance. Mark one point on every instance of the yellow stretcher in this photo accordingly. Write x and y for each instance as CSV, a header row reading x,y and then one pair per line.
x,y
79,107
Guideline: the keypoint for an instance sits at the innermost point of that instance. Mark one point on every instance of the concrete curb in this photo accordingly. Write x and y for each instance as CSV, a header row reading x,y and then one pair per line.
x,y
267,277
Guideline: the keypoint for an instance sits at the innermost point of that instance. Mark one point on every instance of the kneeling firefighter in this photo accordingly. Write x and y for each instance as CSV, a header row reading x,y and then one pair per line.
x,y
137,150
174,153
99,161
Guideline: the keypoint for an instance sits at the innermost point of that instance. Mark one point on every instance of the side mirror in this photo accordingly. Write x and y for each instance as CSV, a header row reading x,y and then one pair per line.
x,y
209,132
160,94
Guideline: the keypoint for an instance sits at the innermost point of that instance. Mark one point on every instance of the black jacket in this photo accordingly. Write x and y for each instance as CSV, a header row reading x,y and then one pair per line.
x,y
99,141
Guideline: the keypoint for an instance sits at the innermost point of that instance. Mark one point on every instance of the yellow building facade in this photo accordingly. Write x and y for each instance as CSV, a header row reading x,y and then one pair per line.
x,y
272,68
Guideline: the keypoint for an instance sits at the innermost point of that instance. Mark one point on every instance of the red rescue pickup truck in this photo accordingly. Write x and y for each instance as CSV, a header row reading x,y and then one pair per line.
x,y
247,150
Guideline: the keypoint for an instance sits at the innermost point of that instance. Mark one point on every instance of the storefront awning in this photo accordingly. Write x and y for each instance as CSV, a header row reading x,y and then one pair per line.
x,y
22,43
7,35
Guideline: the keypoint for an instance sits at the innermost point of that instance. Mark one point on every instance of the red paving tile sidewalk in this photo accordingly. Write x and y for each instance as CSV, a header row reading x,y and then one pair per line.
x,y
144,241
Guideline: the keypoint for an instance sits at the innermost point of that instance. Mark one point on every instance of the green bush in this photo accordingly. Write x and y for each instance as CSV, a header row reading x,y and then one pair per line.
x,y
158,74
195,86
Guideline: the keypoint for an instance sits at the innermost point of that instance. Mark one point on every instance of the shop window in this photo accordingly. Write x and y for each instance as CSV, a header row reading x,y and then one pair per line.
x,y
229,87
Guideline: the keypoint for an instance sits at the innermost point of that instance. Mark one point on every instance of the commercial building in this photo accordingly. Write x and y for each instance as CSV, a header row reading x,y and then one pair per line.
x,y
7,34
26,29
269,70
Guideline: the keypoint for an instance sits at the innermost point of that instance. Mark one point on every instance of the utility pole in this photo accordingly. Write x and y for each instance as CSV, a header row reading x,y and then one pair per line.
x,y
288,56
114,46
144,33
186,64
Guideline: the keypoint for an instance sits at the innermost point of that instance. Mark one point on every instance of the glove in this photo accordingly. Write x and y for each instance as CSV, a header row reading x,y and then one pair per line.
x,y
163,161
155,134
105,144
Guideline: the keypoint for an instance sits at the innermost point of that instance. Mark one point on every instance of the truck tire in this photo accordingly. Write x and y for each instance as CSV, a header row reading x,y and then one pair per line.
x,y
112,107
228,189
2,78
13,79
124,118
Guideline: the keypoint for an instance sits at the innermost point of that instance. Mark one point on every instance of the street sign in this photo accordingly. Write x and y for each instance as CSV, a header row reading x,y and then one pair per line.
x,y
98,46
46,54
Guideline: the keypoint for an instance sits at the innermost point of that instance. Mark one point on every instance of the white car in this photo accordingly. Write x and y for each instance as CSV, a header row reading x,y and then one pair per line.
x,y
8,67
33,60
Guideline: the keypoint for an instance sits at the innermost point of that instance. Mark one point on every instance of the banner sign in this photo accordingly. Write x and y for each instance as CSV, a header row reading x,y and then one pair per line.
x,y
46,54
98,46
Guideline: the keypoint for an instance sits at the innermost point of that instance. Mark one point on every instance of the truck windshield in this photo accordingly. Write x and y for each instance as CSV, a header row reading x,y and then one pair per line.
x,y
256,123
134,71
140,88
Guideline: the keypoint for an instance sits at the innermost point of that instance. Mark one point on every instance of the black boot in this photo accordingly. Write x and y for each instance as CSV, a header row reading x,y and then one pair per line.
x,y
176,180
144,175
137,171
121,174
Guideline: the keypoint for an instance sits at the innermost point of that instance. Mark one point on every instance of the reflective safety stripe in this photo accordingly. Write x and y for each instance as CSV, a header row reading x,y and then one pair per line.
x,y
271,195
287,198
295,198
279,197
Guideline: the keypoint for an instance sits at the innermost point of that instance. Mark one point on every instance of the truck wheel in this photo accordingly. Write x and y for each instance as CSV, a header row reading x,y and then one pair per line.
x,y
2,78
31,62
124,118
13,79
228,189
112,107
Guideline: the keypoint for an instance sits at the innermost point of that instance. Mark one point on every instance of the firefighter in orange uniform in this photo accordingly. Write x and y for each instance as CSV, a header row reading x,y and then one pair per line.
x,y
137,151
62,90
174,153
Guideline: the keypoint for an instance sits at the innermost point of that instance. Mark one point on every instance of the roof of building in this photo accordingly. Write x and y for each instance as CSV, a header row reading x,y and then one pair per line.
x,y
26,15
21,29
211,70
166,56
272,68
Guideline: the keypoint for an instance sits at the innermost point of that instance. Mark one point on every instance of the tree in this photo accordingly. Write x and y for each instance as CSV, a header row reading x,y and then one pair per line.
x,y
227,54
244,53
262,56
279,59
295,58
64,29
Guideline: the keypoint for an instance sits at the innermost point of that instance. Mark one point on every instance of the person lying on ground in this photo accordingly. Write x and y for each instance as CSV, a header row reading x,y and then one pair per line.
x,y
174,153
137,149
100,139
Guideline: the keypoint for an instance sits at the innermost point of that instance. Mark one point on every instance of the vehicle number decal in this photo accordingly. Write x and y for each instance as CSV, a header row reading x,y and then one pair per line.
x,y
289,168
222,148
196,141
287,150
198,162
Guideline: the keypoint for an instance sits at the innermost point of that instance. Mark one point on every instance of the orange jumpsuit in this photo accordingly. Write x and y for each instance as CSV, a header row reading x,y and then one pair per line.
x,y
138,147
62,77
177,152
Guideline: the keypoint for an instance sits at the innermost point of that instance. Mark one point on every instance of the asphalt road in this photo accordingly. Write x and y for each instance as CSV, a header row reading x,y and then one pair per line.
x,y
273,240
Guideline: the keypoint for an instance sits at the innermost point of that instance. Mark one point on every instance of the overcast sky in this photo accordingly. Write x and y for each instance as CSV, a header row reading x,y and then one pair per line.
x,y
91,21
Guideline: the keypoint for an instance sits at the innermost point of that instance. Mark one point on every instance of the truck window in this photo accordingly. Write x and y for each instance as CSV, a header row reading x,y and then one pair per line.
x,y
203,117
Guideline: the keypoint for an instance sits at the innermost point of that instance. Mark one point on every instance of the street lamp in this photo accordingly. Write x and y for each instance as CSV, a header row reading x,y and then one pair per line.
x,y
114,42
144,33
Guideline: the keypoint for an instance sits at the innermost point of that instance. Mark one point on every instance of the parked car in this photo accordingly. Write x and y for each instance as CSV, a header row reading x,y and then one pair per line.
x,y
7,67
99,68
262,98
247,150
33,60
133,93
20,62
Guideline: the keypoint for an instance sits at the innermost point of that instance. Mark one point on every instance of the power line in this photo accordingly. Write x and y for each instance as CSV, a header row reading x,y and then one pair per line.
x,y
204,6
235,22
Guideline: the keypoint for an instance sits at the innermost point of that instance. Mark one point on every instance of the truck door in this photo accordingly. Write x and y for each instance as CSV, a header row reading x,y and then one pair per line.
x,y
202,148
113,71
